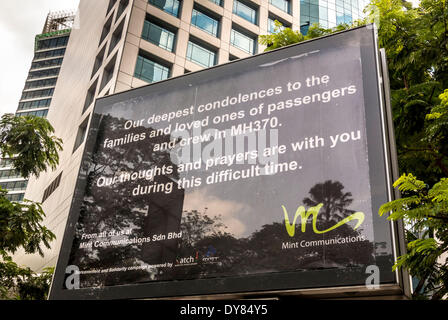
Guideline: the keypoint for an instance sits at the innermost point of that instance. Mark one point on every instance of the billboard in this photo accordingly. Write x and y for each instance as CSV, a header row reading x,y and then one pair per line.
x,y
263,174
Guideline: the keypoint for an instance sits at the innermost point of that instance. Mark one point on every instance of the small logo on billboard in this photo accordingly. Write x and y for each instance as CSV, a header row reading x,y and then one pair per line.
x,y
72,280
211,251
314,211
373,280
210,255
188,261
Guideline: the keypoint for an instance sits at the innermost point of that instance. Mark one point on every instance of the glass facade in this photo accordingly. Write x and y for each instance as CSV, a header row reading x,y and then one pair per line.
x,y
43,73
150,71
14,185
200,55
46,63
41,83
204,22
329,13
158,35
37,94
49,54
9,174
52,43
242,41
16,197
34,104
39,113
170,6
244,11
6,162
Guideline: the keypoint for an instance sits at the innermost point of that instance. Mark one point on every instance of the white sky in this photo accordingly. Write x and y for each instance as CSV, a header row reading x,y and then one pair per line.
x,y
20,22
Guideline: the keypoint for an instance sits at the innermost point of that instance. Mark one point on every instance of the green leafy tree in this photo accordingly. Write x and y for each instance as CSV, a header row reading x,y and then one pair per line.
x,y
30,144
416,44
416,40
425,211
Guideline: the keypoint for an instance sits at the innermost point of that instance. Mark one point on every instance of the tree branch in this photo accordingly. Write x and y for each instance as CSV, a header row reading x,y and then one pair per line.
x,y
419,287
441,166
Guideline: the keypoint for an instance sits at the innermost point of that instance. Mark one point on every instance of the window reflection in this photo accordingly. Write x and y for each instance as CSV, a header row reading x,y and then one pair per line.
x,y
158,35
244,11
150,71
242,41
204,22
170,6
200,55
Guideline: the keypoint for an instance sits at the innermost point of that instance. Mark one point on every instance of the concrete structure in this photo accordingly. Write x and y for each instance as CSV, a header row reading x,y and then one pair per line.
x,y
36,99
124,44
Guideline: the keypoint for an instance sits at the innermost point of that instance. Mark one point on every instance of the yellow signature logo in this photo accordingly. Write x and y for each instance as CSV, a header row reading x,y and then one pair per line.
x,y
314,211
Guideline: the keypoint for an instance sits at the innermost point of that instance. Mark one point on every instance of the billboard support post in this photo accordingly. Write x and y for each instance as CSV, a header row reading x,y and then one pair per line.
x,y
398,226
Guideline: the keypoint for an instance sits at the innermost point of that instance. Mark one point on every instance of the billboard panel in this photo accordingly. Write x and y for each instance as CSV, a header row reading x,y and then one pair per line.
x,y
262,174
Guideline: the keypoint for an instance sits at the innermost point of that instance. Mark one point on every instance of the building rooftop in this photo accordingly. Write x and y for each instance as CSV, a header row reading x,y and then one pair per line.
x,y
59,20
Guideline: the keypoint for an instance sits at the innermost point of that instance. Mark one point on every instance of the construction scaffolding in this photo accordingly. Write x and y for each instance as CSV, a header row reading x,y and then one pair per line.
x,y
59,20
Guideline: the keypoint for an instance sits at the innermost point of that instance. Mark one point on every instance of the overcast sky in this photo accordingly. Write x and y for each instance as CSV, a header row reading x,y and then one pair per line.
x,y
20,21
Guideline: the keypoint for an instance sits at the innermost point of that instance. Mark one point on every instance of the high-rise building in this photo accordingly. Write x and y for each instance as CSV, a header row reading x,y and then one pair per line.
x,y
36,99
123,44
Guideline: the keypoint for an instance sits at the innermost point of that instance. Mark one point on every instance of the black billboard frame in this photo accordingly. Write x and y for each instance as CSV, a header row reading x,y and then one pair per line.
x,y
272,284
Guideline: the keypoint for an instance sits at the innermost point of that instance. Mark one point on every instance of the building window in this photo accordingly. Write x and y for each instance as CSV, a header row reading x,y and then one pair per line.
x,y
14,185
99,61
205,22
49,54
242,41
81,135
232,58
90,96
170,6
46,63
52,43
281,4
329,13
40,83
108,73
5,162
122,7
37,94
52,187
111,5
44,73
39,113
271,25
116,37
218,2
34,104
150,71
244,11
9,174
200,55
158,35
17,197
